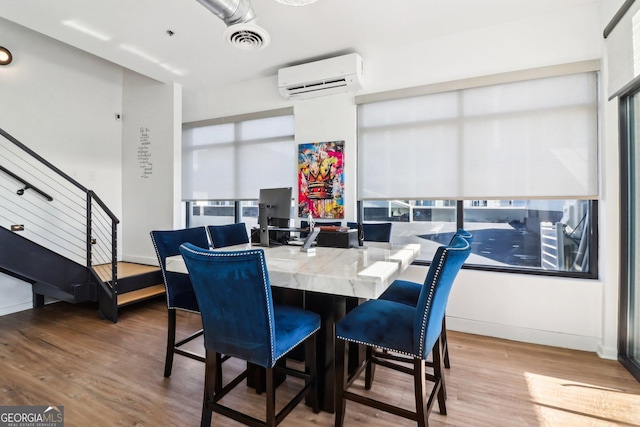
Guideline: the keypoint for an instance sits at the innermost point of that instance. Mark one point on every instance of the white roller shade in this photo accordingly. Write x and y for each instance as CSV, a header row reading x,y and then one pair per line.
x,y
232,161
521,140
623,50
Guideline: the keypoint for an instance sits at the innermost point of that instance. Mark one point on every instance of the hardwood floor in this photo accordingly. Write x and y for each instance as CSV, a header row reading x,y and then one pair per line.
x,y
107,374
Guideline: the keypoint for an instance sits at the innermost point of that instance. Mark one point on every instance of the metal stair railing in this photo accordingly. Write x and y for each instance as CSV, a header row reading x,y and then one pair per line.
x,y
54,210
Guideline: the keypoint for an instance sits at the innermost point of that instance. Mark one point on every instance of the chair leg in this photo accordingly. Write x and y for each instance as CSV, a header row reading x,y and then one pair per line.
x,y
218,382
271,399
438,373
445,345
370,369
211,369
171,342
312,369
420,389
341,381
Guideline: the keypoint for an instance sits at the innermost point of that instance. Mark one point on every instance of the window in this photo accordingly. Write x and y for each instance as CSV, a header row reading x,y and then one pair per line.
x,y
221,212
231,159
227,161
425,222
629,320
550,235
534,235
516,162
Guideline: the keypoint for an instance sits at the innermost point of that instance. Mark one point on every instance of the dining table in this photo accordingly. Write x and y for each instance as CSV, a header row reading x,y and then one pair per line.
x,y
328,281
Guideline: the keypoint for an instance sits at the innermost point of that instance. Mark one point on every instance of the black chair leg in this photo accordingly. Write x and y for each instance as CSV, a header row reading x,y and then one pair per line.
x,y
218,381
171,342
438,373
312,369
370,369
445,345
341,382
420,389
211,370
271,399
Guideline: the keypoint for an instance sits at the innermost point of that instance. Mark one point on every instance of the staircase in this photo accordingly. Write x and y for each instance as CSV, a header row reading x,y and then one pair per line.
x,y
62,239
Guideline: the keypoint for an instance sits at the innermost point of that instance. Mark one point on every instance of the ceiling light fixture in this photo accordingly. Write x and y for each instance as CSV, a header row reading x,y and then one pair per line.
x,y
5,56
296,2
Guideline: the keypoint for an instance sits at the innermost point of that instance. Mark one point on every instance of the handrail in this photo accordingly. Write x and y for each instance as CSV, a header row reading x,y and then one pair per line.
x,y
99,225
61,173
26,184
104,207
42,160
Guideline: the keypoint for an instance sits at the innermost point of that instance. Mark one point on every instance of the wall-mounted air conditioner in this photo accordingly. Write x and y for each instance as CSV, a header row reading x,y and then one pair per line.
x,y
326,77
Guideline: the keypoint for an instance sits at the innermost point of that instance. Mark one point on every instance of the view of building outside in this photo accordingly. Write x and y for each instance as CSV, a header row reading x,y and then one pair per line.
x,y
529,234
532,234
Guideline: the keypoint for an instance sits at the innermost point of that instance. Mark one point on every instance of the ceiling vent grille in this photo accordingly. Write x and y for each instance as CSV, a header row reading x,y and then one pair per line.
x,y
247,36
238,15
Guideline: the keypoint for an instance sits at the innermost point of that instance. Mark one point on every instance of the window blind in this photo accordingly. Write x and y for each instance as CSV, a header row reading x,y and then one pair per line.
x,y
232,161
519,140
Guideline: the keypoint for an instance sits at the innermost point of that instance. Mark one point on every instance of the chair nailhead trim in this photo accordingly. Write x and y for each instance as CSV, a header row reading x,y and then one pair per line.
x,y
378,346
265,281
432,288
302,340
436,278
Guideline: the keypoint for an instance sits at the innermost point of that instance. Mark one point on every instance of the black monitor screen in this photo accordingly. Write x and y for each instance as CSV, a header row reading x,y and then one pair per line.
x,y
277,202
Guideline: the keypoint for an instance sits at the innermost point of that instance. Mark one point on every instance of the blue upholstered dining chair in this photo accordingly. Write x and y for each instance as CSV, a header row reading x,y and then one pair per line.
x,y
408,292
228,235
374,231
241,320
413,332
178,290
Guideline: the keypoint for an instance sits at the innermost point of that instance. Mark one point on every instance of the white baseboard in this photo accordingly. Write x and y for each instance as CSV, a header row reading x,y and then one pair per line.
x,y
514,333
16,308
607,353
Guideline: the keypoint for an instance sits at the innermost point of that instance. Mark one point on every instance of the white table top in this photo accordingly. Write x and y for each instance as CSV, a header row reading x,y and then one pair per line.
x,y
356,272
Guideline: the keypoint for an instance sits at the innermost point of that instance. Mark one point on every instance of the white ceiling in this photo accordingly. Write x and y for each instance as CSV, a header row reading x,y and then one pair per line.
x,y
134,32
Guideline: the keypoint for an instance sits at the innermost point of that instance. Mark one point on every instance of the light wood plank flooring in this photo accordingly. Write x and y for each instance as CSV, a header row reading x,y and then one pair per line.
x,y
107,374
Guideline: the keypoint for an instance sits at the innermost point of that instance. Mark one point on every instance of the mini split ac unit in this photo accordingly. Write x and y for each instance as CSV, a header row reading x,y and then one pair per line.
x,y
326,77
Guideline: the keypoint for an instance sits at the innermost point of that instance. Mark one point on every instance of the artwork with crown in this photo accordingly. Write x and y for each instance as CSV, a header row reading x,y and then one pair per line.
x,y
321,179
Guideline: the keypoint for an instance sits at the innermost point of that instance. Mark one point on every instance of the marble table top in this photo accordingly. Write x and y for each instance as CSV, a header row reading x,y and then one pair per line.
x,y
356,272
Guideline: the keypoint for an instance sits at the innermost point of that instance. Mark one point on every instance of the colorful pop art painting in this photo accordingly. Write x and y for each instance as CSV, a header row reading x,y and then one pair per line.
x,y
321,179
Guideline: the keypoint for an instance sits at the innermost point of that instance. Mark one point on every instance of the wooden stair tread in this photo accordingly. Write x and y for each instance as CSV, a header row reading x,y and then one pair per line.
x,y
125,269
140,294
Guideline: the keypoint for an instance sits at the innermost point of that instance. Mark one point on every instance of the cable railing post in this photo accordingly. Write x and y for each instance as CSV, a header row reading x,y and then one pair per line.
x,y
114,255
88,234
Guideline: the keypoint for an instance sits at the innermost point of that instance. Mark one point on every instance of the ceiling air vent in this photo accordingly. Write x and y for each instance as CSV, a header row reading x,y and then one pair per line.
x,y
247,36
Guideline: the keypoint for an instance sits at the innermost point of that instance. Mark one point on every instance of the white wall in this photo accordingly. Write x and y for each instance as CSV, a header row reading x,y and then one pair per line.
x,y
331,118
566,312
555,311
60,102
151,164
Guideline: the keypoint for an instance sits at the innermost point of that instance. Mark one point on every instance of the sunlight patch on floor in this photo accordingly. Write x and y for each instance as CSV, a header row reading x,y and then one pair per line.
x,y
561,401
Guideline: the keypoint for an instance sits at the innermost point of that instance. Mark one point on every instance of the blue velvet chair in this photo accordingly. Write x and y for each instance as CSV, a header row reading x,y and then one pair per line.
x,y
178,290
374,231
228,235
412,332
240,320
407,292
